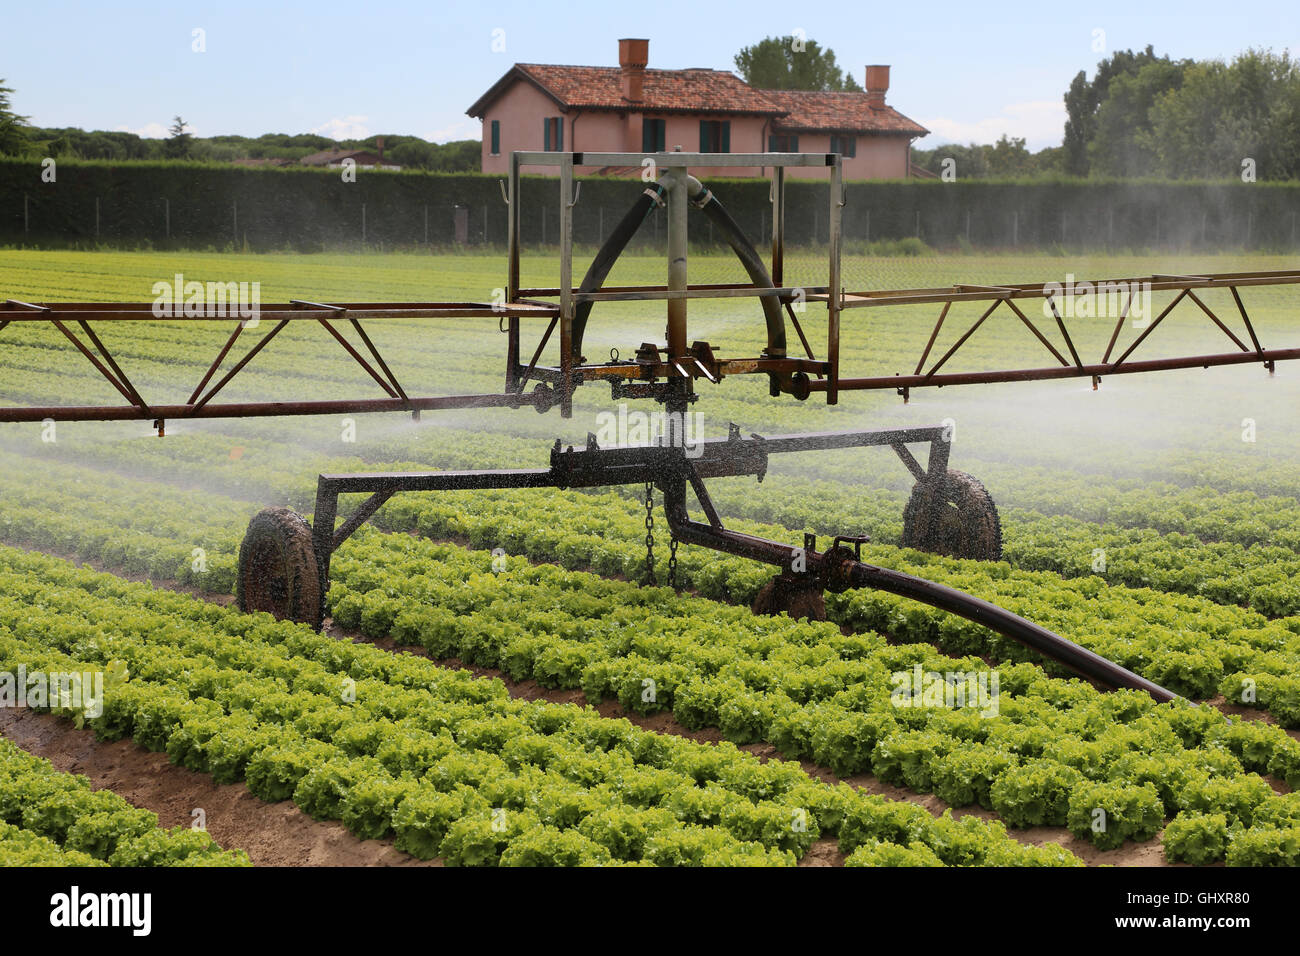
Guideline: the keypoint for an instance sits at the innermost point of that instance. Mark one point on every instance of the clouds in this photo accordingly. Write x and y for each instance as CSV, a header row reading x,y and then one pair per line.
x,y
462,129
345,127
1040,122
148,130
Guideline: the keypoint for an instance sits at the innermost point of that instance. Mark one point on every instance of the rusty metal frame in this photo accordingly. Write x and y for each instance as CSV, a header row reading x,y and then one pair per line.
x,y
667,374
1074,366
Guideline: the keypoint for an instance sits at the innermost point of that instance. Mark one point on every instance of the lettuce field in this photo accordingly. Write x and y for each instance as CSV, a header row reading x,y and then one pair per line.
x,y
499,682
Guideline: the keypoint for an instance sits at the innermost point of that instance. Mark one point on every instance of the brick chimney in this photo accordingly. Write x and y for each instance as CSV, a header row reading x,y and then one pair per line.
x,y
633,55
877,85
379,147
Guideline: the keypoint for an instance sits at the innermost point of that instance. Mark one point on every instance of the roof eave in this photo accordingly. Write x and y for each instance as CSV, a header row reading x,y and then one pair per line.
x,y
478,109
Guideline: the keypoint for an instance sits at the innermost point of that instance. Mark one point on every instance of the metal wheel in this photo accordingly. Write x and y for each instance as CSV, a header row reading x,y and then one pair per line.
x,y
277,568
954,516
797,599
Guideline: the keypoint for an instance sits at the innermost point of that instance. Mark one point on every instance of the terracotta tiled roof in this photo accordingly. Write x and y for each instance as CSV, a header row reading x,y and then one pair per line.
x,y
665,91
325,157
808,112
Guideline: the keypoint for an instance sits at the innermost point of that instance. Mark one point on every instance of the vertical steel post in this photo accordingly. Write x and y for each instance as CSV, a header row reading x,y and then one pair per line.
x,y
512,230
778,226
566,286
833,293
677,248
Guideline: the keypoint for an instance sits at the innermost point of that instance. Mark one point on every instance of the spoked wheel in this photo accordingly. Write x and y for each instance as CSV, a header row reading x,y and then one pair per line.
x,y
955,516
782,596
277,568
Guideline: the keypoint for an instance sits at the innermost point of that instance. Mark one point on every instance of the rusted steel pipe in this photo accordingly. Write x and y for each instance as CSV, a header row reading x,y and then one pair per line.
x,y
1055,372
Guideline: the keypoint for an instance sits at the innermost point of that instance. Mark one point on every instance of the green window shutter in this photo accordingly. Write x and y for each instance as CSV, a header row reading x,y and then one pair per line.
x,y
559,133
496,137
726,136
546,135
794,143
661,135
704,136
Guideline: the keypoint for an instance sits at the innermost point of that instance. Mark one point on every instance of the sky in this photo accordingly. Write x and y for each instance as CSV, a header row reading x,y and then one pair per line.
x,y
966,71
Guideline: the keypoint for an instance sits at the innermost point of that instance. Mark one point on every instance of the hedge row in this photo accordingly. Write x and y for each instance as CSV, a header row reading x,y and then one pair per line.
x,y
197,205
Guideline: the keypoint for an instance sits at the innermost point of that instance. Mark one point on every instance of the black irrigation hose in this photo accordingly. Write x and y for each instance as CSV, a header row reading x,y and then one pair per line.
x,y
1078,659
609,252
753,263
613,247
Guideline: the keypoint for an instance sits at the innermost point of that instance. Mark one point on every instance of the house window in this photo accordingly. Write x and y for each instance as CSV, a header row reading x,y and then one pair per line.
x,y
653,135
844,144
783,143
715,136
553,134
496,137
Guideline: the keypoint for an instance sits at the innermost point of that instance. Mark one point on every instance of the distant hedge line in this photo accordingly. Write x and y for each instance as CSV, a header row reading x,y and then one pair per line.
x,y
197,206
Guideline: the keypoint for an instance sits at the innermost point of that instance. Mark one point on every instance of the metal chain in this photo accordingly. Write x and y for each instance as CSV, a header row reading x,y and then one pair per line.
x,y
649,533
672,562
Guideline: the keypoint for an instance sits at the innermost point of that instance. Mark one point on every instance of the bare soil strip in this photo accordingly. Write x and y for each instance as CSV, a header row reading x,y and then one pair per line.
x,y
274,834
823,852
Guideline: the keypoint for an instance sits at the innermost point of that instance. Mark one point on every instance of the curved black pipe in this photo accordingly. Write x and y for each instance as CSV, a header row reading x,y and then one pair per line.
x,y
1078,659
749,258
607,255
753,263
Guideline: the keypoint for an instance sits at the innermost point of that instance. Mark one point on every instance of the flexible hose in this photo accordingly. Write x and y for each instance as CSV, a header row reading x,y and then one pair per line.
x,y
704,199
608,254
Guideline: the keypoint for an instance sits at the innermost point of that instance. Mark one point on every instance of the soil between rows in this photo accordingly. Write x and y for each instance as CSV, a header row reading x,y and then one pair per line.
x,y
264,834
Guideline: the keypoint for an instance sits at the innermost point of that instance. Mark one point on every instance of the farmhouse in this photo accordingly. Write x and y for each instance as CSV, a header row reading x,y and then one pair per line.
x,y
334,158
630,108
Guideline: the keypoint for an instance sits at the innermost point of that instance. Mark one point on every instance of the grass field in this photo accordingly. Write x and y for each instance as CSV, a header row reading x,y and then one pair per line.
x,y
1186,482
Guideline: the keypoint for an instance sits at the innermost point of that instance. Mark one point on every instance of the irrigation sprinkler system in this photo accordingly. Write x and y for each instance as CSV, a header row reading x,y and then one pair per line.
x,y
284,561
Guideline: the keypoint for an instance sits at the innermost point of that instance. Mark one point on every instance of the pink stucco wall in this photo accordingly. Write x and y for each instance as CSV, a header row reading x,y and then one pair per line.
x,y
522,108
878,157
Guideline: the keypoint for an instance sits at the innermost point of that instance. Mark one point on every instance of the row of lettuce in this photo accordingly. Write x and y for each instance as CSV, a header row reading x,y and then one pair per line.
x,y
445,762
52,818
1233,549
1195,647
1035,750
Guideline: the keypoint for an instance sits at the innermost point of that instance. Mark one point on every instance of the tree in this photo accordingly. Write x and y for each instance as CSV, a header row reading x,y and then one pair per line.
x,y
178,144
1121,144
1084,99
1008,158
1224,114
792,63
14,140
